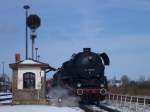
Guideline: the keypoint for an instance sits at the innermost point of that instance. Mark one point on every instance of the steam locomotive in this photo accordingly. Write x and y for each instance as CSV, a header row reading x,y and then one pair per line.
x,y
84,75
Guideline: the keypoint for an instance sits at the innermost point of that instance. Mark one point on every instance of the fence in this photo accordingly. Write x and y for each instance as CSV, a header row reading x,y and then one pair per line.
x,y
5,98
130,103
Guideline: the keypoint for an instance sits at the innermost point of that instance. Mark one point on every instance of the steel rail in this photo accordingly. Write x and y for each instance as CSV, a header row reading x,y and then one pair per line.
x,y
88,108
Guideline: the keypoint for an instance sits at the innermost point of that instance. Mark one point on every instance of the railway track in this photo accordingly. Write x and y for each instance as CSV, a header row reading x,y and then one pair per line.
x,y
100,108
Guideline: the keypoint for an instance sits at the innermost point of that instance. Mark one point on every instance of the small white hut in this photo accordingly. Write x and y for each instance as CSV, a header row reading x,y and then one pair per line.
x,y
29,81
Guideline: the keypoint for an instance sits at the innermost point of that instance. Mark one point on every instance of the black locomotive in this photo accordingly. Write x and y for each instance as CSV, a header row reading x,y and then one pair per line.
x,y
84,74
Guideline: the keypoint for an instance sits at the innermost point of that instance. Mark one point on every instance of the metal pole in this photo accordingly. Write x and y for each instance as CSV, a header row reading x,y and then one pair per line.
x,y
26,7
3,69
38,57
33,36
32,47
36,50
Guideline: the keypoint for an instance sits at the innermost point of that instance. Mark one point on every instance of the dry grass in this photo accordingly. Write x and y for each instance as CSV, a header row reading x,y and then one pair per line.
x,y
135,91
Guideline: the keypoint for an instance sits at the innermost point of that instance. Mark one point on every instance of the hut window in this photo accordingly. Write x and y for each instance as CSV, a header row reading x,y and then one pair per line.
x,y
28,80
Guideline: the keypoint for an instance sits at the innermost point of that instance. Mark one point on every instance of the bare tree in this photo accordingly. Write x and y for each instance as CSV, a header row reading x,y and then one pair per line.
x,y
125,80
142,78
125,83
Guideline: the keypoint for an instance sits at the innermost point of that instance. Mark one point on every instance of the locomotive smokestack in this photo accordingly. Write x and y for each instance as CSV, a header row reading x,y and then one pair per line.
x,y
86,49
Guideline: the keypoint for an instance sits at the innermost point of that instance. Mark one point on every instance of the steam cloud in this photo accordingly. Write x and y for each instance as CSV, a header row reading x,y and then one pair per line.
x,y
60,97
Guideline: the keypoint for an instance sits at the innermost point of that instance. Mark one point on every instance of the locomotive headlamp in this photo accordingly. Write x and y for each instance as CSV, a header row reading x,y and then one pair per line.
x,y
90,57
79,85
102,85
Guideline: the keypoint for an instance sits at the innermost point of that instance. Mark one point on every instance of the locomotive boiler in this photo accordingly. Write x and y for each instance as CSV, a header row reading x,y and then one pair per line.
x,y
84,75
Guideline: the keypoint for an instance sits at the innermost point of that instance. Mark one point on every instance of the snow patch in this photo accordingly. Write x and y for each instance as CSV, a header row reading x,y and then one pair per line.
x,y
38,108
29,62
7,96
4,93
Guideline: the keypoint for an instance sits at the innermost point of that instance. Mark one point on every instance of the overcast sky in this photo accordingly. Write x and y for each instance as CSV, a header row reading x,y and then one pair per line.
x,y
121,28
